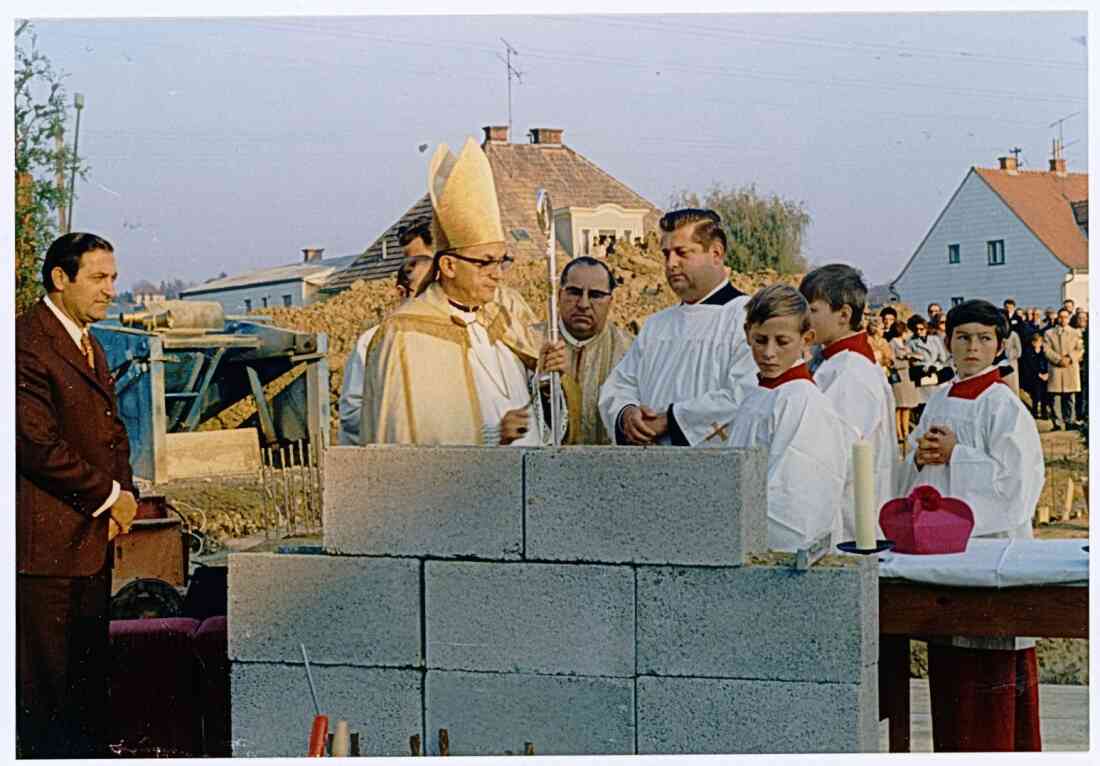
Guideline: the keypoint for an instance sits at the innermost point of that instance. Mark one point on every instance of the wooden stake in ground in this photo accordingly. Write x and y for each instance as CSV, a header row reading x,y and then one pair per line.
x,y
1067,504
528,748
414,744
444,742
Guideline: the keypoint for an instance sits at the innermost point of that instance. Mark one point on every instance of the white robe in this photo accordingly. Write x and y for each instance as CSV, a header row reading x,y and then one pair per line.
x,y
862,397
996,468
997,465
808,447
693,357
351,390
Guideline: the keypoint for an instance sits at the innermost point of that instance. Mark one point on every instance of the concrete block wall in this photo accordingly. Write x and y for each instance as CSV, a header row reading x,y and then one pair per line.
x,y
469,589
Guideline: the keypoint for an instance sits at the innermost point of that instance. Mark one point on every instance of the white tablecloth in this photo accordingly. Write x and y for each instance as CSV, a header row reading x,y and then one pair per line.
x,y
995,563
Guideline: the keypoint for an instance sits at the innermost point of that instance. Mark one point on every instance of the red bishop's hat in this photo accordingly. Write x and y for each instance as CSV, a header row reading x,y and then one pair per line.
x,y
927,522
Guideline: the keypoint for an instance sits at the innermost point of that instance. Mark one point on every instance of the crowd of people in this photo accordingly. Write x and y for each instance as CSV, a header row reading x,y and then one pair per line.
x,y
803,373
1045,360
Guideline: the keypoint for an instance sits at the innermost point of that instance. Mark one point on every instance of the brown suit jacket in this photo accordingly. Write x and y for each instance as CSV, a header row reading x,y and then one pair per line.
x,y
70,446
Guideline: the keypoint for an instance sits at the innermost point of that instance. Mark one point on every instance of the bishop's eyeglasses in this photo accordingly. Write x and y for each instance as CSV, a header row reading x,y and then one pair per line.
x,y
484,264
576,293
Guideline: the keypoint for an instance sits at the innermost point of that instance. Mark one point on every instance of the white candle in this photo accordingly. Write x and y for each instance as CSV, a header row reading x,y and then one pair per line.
x,y
341,740
863,460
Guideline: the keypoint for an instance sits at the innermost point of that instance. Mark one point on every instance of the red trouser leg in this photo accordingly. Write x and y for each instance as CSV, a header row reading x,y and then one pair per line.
x,y
983,700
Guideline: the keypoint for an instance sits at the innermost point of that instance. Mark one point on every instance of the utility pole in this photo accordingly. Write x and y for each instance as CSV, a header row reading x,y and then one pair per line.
x,y
59,173
78,102
511,72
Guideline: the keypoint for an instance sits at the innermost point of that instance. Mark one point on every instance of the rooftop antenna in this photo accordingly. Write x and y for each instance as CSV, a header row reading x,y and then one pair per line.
x,y
512,72
1059,122
1015,152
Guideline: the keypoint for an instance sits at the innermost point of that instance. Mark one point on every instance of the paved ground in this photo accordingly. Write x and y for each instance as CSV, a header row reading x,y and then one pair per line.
x,y
1063,711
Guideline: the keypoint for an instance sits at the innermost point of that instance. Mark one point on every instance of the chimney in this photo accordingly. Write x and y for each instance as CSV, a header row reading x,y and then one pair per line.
x,y
312,254
550,136
1008,164
496,134
1057,161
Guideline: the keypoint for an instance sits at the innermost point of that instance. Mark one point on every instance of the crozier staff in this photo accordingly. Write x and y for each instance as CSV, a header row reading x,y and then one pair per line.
x,y
73,495
454,365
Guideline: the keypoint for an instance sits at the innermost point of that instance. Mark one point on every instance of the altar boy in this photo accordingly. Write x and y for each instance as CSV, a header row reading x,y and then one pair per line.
x,y
850,377
977,442
808,444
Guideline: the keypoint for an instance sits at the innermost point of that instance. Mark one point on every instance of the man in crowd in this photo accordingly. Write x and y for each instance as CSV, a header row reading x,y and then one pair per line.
x,y
683,378
1010,314
1064,351
453,365
934,310
74,493
593,346
409,277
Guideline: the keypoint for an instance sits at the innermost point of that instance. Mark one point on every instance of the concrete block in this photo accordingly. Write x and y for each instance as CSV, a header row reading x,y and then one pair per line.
x,y
272,711
212,453
346,610
704,715
655,505
444,502
493,713
769,623
530,618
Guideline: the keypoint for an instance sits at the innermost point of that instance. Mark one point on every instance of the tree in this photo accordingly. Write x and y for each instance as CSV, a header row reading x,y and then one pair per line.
x,y
40,153
762,232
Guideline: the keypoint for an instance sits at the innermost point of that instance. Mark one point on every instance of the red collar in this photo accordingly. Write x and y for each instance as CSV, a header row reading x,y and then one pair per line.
x,y
857,343
799,372
972,388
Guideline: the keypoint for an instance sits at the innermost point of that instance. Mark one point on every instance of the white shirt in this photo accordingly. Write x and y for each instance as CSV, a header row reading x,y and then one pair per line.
x,y
997,465
693,357
77,334
501,381
808,447
863,398
351,390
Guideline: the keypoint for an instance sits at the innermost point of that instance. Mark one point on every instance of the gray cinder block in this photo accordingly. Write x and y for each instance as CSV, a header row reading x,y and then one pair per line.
x,y
702,715
493,713
656,505
530,618
272,711
346,610
769,623
424,501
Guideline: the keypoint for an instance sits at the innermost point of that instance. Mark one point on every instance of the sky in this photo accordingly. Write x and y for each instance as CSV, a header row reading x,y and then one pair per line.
x,y
230,144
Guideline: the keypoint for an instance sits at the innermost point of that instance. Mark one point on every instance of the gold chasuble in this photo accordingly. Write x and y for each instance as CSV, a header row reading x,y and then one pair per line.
x,y
589,362
418,382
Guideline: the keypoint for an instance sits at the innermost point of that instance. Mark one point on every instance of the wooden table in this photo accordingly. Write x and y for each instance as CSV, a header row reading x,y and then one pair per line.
x,y
911,610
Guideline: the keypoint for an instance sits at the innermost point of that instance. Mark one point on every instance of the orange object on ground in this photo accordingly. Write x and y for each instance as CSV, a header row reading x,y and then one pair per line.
x,y
318,736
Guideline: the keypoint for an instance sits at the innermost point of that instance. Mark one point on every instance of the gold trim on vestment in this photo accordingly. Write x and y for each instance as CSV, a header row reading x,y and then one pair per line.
x,y
444,329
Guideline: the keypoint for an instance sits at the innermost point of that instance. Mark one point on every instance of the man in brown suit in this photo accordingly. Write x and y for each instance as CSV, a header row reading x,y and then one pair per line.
x,y
74,493
1064,349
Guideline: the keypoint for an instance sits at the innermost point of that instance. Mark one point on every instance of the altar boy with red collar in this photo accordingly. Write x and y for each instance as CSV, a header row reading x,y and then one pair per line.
x,y
977,442
850,378
808,444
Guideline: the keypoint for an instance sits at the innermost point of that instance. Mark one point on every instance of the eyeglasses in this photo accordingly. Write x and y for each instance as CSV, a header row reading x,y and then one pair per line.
x,y
575,293
504,263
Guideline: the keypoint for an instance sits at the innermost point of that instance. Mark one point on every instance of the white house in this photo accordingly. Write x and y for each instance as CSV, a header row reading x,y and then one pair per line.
x,y
297,284
1005,233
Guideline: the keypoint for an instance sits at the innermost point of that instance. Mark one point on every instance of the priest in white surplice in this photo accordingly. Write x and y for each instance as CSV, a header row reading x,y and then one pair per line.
x,y
689,368
454,365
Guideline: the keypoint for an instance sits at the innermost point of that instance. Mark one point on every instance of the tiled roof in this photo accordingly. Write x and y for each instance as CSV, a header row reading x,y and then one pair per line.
x,y
518,170
1044,202
308,272
370,264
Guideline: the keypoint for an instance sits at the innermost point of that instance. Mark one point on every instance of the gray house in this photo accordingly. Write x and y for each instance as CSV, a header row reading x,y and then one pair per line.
x,y
1005,233
297,284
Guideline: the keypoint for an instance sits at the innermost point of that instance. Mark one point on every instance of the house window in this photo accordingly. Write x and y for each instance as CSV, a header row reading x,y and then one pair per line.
x,y
287,300
957,300
952,253
995,252
263,301
247,304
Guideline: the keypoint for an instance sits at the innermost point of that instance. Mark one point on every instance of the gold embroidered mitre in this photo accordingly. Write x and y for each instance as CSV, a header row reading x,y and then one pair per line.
x,y
464,198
